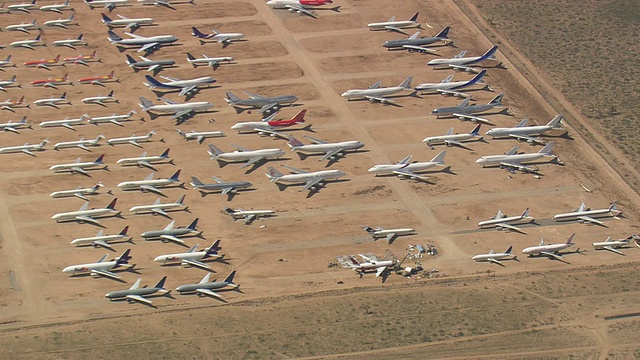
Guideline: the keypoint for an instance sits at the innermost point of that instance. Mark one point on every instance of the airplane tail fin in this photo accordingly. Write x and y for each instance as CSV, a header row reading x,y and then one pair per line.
x,y
190,57
414,17
124,231
37,37
145,104
152,82
214,151
160,284
525,213
229,279
509,250
57,58
124,258
165,154
231,98
80,37
439,159
546,150
273,174
613,206
110,94
99,159
197,33
195,181
293,142
106,19
478,78
299,118
368,229
406,84
444,33
213,249
112,204
181,200
497,100
113,37
193,224
476,130
175,176
555,122
570,239
490,54
130,60
229,211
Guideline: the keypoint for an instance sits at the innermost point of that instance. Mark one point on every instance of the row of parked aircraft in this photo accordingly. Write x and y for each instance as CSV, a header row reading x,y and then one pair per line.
x,y
27,7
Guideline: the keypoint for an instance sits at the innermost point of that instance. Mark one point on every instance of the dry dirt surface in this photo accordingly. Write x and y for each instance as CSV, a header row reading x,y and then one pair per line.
x,y
293,302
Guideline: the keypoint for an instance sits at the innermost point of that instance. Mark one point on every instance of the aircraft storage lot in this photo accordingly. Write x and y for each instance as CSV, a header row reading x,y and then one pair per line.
x,y
282,267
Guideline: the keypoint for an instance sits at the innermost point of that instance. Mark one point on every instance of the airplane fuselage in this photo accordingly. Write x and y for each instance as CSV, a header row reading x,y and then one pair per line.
x,y
443,139
195,255
363,93
247,155
322,174
135,160
152,182
414,42
172,232
216,285
94,213
512,159
160,39
588,213
412,167
110,118
470,109
395,24
551,248
84,165
150,208
523,131
117,294
128,139
379,233
68,193
67,122
93,239
127,22
10,149
222,186
494,256
174,108
505,220
84,268
345,145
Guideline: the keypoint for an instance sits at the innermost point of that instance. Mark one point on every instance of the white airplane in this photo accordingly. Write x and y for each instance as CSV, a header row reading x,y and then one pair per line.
x,y
147,44
180,111
225,187
587,216
206,287
370,264
192,257
405,168
268,126
224,38
82,59
160,209
613,245
495,257
248,215
128,23
523,132
103,240
101,100
101,267
81,167
63,23
54,101
6,62
502,222
134,139
549,250
24,27
112,118
137,293
389,234
11,105
146,161
199,135
78,192
150,184
171,233
107,4
513,160
213,62
393,25
450,138
459,62
28,43
165,3
312,180
82,143
26,148
250,156
331,151
303,7
71,43
448,87
14,126
57,8
24,7
186,87
88,215
375,93
67,123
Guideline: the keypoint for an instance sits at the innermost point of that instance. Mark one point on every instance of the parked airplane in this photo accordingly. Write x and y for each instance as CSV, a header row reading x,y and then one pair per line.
x,y
219,185
82,143
78,192
99,79
88,215
82,59
52,82
588,216
416,43
331,151
160,209
146,44
464,111
205,287
101,267
58,8
112,118
213,62
513,160
448,87
165,3
134,139
523,132
150,65
147,161
613,245
248,215
502,222
24,27
28,43
494,257
128,23
12,104
24,7
26,148
54,101
169,233
266,104
241,155
370,264
389,234
137,293
549,250
224,38
63,23
192,257
71,43
180,111
376,93
450,138
6,63
150,184
199,135
397,26
312,180
43,63
4,10
101,100
268,126
186,87
103,240
81,167
459,62
14,126
107,4
303,7
405,168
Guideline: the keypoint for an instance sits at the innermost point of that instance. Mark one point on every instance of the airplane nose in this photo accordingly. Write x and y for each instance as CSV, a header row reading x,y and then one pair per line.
x,y
345,94
158,259
479,161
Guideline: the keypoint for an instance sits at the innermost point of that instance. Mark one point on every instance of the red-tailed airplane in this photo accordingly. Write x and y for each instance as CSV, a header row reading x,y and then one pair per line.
x,y
99,80
44,63
303,7
82,59
268,126
9,104
52,82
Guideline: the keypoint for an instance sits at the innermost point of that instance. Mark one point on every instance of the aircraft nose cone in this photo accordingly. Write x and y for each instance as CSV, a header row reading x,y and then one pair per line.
x,y
158,259
66,270
480,161
345,94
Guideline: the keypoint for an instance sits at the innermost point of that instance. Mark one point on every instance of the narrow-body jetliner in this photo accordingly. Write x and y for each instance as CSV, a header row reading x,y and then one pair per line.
x,y
137,293
180,111
101,267
150,184
393,25
206,287
302,7
614,245
405,168
241,155
186,87
84,214
448,87
503,222
248,215
269,127
150,65
495,257
192,257
79,192
549,250
159,208
588,216
134,139
26,148
371,264
224,38
126,22
199,135
113,119
213,62
389,234
103,240
450,138
81,167
13,127
464,109
375,93
145,160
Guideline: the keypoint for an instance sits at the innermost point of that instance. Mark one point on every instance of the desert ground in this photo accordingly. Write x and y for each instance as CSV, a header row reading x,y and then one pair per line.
x,y
293,303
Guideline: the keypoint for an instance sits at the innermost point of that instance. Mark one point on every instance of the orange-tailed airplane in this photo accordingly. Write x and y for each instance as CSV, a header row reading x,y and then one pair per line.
x,y
44,63
52,82
99,80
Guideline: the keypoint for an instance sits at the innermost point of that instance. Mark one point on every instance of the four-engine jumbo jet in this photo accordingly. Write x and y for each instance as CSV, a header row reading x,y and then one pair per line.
x,y
186,87
375,93
146,161
150,65
331,151
224,187
54,101
405,168
103,240
205,287
57,8
549,250
613,245
415,43
199,135
213,62
101,267
146,44
450,138
160,209
28,43
180,111
133,139
78,192
26,148
171,233
150,184
248,215
303,7
224,38
14,126
52,82
101,100
513,160
369,264
137,293
397,26
193,257
128,23
81,167
588,216
88,215
495,257
268,126
448,87
502,222
241,155
389,234
312,180
266,104
464,110
459,62
523,132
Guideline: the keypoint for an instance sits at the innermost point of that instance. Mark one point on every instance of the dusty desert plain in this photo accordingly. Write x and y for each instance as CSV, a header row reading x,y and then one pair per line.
x,y
291,302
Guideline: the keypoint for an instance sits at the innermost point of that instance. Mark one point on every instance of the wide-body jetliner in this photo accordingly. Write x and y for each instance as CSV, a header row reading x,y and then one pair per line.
x,y
103,240
303,7
523,133
206,287
180,111
588,216
150,184
464,110
312,180
549,250
514,161
375,93
146,44
171,233
185,87
137,293
192,257
101,267
219,185
405,168
389,234
84,214
249,157
495,257
415,43
330,151
266,104
503,222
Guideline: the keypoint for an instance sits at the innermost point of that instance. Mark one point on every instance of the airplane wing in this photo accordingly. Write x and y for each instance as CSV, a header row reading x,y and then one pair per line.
x,y
272,133
28,152
529,139
253,161
453,142
453,93
330,154
381,100
159,212
172,238
509,227
464,68
410,174
154,67
105,273
80,196
146,164
87,219
301,10
134,143
83,147
297,171
187,89
253,96
516,166
381,270
551,254
103,244
474,119
227,190
168,102
147,47
139,299
182,113
196,263
268,107
391,237
590,220
420,49
151,188
495,261
613,250
134,36
79,170
312,183
168,78
208,292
